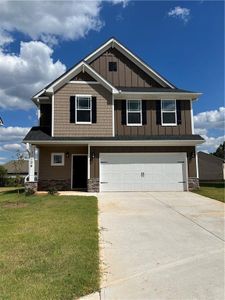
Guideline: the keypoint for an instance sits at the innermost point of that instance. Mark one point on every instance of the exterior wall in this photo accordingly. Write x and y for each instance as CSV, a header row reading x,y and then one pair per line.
x,y
56,176
46,115
62,125
94,163
210,167
127,75
151,128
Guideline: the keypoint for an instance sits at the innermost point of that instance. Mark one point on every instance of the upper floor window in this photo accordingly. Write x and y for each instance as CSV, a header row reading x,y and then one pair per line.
x,y
57,159
112,66
168,112
134,112
83,109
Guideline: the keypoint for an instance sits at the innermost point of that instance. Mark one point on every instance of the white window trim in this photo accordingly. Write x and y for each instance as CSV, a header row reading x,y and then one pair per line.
x,y
55,164
76,109
132,124
172,111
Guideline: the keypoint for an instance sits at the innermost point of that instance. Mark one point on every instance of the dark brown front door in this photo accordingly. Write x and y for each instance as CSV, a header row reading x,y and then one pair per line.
x,y
80,172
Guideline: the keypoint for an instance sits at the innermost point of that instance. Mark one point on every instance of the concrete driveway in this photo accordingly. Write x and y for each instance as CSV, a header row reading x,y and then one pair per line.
x,y
161,246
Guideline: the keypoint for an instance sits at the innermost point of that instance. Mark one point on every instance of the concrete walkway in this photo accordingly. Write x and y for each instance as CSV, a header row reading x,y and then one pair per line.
x,y
161,246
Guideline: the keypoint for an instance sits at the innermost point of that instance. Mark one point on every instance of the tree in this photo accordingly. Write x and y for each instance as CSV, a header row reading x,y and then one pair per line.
x,y
220,151
3,173
18,164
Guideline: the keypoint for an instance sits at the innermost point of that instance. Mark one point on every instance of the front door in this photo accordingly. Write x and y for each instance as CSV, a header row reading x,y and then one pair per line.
x,y
80,172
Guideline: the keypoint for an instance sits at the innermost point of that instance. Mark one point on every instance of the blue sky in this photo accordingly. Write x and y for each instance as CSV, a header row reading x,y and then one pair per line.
x,y
182,40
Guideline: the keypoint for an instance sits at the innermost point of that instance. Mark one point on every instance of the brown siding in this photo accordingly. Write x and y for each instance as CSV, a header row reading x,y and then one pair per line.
x,y
62,125
127,75
48,172
96,150
151,128
84,76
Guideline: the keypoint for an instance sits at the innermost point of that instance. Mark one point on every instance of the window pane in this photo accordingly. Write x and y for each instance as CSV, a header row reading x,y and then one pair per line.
x,y
83,116
112,66
57,159
134,105
169,118
134,118
83,103
169,105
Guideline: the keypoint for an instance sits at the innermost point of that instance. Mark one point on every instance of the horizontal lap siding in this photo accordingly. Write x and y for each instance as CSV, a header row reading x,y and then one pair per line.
x,y
48,172
97,150
151,128
62,125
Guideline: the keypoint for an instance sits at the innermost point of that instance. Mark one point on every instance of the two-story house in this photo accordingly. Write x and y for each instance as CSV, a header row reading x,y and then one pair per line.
x,y
112,123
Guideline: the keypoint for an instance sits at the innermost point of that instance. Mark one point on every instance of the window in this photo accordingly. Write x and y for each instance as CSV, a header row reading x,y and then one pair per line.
x,y
112,66
168,112
83,109
134,112
57,159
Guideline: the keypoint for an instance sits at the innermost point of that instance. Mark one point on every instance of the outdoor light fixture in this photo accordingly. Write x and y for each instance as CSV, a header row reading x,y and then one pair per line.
x,y
67,154
93,155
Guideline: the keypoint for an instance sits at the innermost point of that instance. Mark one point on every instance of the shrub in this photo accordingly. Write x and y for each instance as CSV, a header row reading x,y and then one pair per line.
x,y
29,192
52,191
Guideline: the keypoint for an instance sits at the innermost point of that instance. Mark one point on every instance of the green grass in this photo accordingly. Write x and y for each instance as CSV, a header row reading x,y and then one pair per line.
x,y
212,190
48,246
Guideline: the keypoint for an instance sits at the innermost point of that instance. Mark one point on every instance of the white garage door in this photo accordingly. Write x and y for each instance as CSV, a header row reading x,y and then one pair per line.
x,y
142,172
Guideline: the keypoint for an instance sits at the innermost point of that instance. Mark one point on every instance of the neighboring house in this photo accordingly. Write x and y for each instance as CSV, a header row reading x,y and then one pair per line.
x,y
13,171
112,123
211,168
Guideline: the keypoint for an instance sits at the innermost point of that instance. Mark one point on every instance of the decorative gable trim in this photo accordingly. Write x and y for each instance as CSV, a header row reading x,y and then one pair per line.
x,y
142,65
81,67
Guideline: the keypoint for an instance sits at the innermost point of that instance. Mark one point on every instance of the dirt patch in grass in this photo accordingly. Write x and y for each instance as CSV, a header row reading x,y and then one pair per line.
x,y
14,205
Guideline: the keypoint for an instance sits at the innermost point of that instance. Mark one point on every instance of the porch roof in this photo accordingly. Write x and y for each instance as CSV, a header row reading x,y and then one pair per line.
x,y
40,135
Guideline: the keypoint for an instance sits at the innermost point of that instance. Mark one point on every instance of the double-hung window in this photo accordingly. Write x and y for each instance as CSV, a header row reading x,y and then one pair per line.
x,y
134,112
83,109
168,112
57,159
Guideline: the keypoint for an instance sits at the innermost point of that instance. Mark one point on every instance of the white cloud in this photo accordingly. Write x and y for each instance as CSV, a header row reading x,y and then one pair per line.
x,y
181,13
23,75
10,147
5,38
205,122
211,143
51,20
214,119
12,134
11,141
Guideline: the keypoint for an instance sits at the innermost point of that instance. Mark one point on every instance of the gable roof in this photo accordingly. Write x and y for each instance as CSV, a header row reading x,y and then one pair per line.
x,y
83,66
130,55
210,157
67,76
10,167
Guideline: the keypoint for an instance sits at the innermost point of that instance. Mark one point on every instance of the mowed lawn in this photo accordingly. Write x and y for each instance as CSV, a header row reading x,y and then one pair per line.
x,y
48,246
212,190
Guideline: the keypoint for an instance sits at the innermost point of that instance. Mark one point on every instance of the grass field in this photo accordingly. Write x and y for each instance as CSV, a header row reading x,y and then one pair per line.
x,y
212,190
48,246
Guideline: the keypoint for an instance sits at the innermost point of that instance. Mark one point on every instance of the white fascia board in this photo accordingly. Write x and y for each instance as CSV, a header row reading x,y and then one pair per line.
x,y
81,67
158,95
130,55
38,94
120,143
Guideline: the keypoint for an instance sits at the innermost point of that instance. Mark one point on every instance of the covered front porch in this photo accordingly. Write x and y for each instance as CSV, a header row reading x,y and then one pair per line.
x,y
63,168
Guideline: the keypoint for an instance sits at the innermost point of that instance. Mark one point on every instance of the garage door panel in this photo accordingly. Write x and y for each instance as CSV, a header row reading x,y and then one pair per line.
x,y
142,172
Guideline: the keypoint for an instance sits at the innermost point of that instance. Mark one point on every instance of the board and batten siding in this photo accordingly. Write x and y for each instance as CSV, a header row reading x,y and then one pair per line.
x,y
152,128
127,75
62,125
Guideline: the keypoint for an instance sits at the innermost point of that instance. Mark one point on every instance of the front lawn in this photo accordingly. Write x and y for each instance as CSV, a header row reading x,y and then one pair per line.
x,y
48,246
212,190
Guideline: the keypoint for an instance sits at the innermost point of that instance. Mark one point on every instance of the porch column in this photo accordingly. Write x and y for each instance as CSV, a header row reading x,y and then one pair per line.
x,y
31,165
88,162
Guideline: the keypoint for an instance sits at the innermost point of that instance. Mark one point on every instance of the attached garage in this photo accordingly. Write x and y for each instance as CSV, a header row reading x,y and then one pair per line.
x,y
143,172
